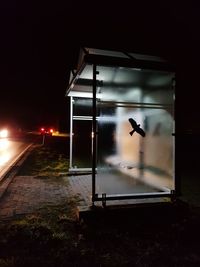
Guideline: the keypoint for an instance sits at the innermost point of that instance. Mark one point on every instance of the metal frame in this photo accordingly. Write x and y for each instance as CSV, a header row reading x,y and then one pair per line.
x,y
133,196
129,62
174,142
134,105
71,133
104,197
177,166
75,77
94,130
73,118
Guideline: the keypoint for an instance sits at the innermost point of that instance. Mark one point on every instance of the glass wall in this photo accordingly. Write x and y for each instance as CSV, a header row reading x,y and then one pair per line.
x,y
82,133
135,146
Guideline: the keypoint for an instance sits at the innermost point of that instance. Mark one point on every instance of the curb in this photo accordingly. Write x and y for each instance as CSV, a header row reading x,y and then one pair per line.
x,y
13,170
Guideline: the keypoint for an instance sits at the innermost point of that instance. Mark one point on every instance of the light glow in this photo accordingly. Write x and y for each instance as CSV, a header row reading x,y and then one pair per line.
x,y
4,144
4,158
4,133
4,151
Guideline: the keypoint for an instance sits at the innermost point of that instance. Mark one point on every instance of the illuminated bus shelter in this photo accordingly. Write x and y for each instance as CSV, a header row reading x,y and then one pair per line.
x,y
122,125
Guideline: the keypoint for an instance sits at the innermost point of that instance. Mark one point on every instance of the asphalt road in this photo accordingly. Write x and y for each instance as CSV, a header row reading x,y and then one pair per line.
x,y
10,152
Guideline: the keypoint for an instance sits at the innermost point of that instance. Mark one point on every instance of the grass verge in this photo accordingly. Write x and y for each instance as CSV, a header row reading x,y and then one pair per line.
x,y
52,237
45,162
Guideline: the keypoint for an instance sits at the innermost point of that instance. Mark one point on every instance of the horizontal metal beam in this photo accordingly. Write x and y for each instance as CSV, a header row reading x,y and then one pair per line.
x,y
82,118
127,62
134,104
80,169
133,196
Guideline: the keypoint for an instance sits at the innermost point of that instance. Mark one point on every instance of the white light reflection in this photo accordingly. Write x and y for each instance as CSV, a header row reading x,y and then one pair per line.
x,y
4,133
5,155
4,143
4,158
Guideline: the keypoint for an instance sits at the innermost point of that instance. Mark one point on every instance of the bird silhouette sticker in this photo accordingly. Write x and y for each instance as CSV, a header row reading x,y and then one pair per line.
x,y
136,128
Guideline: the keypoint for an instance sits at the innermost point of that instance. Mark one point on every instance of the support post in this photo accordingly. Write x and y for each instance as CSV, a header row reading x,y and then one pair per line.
x,y
94,135
71,132
43,139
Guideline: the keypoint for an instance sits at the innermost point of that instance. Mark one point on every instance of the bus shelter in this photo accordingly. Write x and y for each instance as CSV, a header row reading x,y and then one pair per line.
x,y
122,125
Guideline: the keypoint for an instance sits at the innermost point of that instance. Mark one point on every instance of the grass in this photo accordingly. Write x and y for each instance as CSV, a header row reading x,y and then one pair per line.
x,y
39,239
45,162
52,237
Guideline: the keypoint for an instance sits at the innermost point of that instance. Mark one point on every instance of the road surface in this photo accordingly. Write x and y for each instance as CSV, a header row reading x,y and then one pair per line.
x,y
10,151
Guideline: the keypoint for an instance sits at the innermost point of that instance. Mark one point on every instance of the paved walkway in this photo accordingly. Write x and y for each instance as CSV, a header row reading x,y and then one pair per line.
x,y
81,186
26,194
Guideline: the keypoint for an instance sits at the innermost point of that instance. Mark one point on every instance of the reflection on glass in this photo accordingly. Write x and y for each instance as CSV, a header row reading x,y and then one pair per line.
x,y
135,86
82,106
145,158
135,126
135,122
82,144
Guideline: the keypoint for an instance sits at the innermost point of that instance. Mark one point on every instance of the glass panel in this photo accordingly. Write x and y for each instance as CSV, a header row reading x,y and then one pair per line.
x,y
82,106
133,163
127,85
134,141
82,130
81,155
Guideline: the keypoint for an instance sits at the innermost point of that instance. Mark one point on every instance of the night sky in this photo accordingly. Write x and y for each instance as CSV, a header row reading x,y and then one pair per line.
x,y
40,42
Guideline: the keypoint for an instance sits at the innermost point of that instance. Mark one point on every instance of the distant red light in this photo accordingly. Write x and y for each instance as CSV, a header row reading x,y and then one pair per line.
x,y
46,131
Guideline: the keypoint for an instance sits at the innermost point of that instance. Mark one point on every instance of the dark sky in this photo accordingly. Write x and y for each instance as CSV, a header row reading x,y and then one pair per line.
x,y
40,41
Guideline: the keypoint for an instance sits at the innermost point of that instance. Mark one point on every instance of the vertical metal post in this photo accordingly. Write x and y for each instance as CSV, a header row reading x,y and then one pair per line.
x,y
173,136
94,134
71,132
177,145
43,139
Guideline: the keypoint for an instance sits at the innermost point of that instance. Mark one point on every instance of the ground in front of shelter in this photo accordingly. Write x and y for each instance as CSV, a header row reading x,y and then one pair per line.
x,y
27,194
